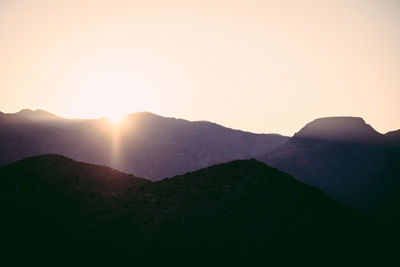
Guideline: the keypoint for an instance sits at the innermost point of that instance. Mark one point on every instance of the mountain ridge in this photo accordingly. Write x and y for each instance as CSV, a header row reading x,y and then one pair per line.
x,y
35,115
145,144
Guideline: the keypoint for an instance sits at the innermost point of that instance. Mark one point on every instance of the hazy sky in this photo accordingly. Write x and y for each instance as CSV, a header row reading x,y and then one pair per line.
x,y
262,66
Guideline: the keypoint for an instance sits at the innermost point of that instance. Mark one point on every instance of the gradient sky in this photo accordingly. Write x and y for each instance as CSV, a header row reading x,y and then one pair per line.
x,y
261,66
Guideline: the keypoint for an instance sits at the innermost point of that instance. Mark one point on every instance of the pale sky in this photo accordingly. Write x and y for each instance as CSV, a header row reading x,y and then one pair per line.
x,y
261,66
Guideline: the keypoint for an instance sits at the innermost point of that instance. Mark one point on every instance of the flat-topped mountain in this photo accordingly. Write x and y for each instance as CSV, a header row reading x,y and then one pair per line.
x,y
348,160
60,212
145,144
350,129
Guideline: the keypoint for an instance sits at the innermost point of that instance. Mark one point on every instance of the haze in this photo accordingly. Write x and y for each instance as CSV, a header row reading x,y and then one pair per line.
x,y
261,66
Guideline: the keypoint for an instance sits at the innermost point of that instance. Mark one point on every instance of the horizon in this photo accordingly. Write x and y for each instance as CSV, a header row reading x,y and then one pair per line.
x,y
261,66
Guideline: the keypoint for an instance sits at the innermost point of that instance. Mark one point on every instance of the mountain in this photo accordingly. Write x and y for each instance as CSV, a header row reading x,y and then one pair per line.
x,y
350,129
348,160
59,212
393,137
145,144
37,115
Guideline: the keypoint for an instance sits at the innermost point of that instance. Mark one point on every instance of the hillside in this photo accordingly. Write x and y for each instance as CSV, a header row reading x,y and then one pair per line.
x,y
59,212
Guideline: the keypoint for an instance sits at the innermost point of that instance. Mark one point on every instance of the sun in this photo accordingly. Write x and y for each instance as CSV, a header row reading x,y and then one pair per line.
x,y
116,117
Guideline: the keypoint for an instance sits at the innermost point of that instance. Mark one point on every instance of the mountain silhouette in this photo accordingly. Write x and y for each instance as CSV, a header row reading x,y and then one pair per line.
x,y
348,160
30,115
351,129
59,212
145,144
37,115
393,137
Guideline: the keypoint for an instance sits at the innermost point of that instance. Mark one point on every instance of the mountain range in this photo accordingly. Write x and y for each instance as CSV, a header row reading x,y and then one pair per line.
x,y
59,212
343,156
145,144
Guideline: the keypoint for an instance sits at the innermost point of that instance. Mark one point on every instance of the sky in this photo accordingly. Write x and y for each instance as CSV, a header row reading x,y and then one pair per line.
x,y
260,66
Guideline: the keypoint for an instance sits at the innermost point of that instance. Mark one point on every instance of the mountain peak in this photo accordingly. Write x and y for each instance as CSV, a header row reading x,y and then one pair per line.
x,y
37,114
353,129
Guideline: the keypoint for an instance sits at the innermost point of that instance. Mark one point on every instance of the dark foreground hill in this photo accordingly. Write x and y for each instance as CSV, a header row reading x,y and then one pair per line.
x,y
348,160
58,212
145,144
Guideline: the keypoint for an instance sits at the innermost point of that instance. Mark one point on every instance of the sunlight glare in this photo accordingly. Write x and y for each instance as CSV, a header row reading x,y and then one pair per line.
x,y
115,118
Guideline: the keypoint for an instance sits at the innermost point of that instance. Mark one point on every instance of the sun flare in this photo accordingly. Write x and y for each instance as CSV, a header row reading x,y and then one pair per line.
x,y
116,118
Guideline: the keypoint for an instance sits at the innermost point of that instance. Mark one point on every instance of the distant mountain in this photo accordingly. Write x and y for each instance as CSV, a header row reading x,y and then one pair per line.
x,y
37,115
58,212
350,129
348,160
145,144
